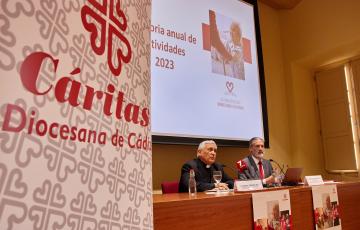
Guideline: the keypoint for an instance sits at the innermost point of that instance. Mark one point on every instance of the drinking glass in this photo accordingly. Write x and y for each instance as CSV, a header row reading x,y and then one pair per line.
x,y
279,176
217,177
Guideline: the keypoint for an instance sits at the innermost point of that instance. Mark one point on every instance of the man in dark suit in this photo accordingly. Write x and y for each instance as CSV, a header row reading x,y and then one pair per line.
x,y
203,166
256,166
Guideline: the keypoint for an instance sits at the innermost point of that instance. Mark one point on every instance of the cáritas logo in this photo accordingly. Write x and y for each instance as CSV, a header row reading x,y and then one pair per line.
x,y
229,86
109,25
68,89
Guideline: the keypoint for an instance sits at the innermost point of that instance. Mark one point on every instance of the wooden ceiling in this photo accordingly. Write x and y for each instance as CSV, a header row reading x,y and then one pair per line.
x,y
281,4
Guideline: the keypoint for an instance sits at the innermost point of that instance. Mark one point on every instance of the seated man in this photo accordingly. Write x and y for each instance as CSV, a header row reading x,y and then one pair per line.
x,y
256,166
203,167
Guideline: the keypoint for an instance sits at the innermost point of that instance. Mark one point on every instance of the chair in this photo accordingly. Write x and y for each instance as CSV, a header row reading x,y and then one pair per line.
x,y
170,187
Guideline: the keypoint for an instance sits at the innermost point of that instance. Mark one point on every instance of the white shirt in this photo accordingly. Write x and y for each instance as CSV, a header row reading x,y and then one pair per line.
x,y
257,165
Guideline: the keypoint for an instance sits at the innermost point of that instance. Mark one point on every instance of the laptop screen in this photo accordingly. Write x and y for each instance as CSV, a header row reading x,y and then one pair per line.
x,y
292,176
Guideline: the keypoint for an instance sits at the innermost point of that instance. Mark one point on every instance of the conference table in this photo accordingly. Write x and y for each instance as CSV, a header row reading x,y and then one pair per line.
x,y
234,210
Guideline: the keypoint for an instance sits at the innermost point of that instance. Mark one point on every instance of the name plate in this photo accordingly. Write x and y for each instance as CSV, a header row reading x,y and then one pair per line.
x,y
247,185
314,180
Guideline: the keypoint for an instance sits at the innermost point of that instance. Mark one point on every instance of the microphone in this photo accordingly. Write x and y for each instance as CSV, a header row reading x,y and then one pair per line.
x,y
232,168
281,168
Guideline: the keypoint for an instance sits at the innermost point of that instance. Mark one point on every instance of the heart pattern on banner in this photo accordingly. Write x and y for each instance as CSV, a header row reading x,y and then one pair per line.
x,y
51,181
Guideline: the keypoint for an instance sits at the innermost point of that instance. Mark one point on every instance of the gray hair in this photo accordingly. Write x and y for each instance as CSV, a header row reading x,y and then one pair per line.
x,y
235,26
252,140
202,144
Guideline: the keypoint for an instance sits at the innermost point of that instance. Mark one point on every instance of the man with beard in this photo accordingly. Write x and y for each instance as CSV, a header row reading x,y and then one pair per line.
x,y
256,166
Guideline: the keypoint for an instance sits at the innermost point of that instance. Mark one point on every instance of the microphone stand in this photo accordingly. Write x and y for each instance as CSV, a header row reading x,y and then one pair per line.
x,y
281,168
232,168
282,175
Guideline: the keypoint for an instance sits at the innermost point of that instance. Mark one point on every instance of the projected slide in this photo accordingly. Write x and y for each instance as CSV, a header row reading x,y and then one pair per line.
x,y
204,70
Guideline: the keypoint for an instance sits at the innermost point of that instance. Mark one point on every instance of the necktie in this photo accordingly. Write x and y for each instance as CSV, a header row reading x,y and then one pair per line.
x,y
261,170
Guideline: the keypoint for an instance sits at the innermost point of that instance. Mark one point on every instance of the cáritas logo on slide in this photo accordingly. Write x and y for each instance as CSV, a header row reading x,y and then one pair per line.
x,y
116,24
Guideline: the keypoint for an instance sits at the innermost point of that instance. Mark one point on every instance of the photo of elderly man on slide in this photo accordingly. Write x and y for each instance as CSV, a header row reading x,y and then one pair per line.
x,y
227,56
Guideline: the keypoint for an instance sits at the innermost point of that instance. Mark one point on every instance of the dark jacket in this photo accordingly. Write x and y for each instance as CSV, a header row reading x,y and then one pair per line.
x,y
252,171
203,176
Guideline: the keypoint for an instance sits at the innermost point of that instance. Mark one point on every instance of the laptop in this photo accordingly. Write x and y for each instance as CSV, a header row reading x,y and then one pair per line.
x,y
292,176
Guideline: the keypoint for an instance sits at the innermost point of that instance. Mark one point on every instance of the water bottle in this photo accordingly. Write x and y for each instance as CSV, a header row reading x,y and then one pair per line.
x,y
192,183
